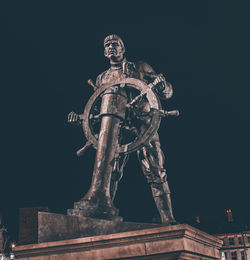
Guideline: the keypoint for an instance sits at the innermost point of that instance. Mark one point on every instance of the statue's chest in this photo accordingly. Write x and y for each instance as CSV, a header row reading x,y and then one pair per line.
x,y
117,75
113,75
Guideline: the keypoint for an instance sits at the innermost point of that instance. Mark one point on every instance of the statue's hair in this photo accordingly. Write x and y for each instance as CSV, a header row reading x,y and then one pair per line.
x,y
114,37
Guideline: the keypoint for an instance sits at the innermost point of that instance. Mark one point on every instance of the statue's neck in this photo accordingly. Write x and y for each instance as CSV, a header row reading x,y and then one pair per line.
x,y
117,65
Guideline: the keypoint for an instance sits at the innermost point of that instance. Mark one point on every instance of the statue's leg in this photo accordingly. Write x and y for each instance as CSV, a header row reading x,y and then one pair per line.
x,y
117,174
152,160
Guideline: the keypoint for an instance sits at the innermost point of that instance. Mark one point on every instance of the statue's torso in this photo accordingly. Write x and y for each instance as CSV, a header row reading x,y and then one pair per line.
x,y
122,71
138,70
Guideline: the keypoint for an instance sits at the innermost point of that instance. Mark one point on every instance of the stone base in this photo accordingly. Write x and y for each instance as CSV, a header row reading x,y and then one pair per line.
x,y
55,227
166,242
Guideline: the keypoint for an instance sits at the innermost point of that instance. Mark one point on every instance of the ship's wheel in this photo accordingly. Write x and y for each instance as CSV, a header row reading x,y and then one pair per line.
x,y
137,138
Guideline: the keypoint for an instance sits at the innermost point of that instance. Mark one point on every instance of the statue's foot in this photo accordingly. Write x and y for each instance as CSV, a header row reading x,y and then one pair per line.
x,y
95,208
98,210
169,222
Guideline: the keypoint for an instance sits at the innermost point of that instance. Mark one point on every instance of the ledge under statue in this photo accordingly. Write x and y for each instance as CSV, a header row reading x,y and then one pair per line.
x,y
122,116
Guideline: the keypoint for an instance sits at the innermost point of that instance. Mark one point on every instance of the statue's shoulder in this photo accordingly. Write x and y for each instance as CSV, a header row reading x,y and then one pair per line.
x,y
145,71
100,77
103,73
143,66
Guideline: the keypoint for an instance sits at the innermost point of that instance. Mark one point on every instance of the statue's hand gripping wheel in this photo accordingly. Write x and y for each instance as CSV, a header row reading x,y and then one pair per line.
x,y
107,116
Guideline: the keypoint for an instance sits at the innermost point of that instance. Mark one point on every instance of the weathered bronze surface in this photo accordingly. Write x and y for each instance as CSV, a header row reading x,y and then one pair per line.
x,y
123,116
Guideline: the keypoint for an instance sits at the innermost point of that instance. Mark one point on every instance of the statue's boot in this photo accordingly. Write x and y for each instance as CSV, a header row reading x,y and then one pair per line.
x,y
161,195
97,205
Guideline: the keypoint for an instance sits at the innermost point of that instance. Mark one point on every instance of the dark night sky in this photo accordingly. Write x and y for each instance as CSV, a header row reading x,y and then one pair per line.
x,y
48,50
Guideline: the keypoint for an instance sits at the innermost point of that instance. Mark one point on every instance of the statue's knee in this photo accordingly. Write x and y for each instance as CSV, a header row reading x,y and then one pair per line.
x,y
157,190
163,174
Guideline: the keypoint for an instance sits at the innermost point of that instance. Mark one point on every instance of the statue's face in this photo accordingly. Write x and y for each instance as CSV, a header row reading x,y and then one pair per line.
x,y
113,50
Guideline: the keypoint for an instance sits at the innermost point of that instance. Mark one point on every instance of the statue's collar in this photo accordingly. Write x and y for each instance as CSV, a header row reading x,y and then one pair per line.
x,y
118,65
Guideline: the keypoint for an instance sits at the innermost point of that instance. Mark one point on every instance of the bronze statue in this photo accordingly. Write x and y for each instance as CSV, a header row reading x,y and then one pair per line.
x,y
126,107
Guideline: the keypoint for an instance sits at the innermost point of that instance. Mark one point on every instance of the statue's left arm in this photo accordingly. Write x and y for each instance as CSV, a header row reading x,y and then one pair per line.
x,y
163,88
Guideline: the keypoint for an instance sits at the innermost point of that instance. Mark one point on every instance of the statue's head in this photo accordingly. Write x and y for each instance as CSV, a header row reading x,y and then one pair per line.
x,y
114,48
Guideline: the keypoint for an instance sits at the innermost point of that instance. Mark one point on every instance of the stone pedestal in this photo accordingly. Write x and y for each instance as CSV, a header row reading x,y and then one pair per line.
x,y
165,242
55,227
